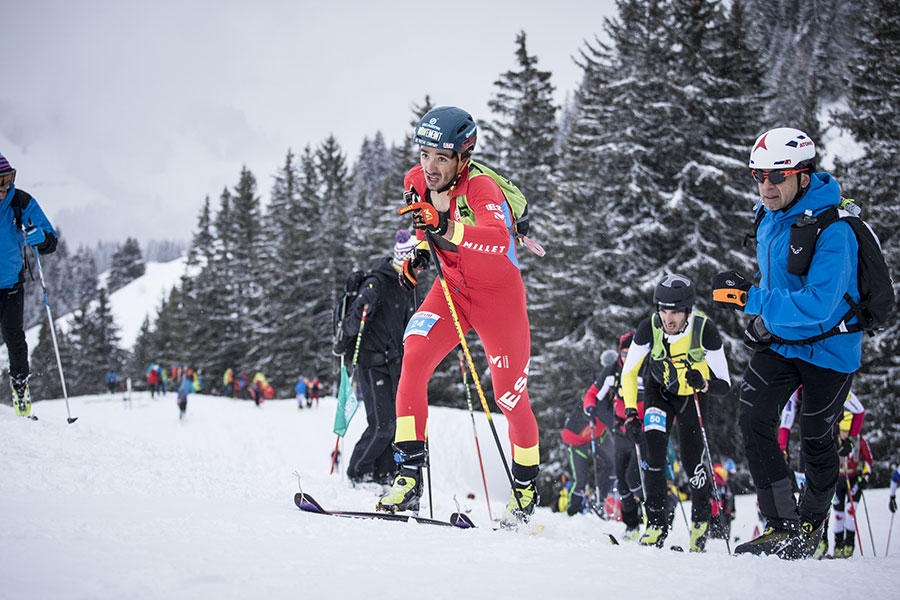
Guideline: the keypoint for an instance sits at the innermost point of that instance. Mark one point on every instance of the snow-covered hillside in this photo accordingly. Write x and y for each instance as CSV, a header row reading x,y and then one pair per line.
x,y
130,502
132,303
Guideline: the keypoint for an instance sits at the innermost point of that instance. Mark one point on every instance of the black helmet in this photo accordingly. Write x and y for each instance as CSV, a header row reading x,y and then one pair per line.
x,y
674,292
447,127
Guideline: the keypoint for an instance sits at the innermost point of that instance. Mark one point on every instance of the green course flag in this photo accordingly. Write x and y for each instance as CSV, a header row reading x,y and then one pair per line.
x,y
347,404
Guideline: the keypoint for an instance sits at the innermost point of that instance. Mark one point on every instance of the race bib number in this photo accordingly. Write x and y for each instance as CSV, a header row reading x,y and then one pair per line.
x,y
655,419
420,324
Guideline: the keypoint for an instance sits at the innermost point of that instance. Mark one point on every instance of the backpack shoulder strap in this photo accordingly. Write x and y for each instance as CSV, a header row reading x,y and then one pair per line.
x,y
696,351
757,219
19,202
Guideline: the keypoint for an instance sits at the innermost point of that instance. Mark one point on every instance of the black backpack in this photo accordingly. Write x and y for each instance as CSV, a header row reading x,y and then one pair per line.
x,y
876,289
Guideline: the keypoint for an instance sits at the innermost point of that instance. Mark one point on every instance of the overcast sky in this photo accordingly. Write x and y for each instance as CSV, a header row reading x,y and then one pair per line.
x,y
122,116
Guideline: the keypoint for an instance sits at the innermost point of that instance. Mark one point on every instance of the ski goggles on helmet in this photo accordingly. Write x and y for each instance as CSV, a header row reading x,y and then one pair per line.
x,y
8,178
775,177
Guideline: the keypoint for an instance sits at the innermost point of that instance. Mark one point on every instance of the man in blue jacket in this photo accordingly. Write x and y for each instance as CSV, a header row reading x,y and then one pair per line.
x,y
21,222
794,308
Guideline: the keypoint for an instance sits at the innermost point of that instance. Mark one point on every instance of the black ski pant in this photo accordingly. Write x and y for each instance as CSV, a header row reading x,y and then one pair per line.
x,y
662,412
769,381
12,308
581,463
628,480
373,455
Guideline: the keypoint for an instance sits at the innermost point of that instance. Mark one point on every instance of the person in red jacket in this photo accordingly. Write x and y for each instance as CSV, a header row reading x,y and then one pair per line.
x,y
589,445
629,481
856,464
480,269
792,409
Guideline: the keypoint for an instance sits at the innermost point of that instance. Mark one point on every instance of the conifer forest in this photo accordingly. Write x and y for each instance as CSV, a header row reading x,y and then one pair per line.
x,y
641,172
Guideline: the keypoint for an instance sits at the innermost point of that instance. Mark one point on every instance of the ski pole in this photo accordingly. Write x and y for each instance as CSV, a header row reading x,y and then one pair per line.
x,y
462,366
428,475
887,547
712,481
465,347
640,466
596,498
62,378
844,461
674,487
362,326
862,497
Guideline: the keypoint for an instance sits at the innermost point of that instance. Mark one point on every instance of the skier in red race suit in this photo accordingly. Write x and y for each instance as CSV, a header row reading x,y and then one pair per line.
x,y
481,268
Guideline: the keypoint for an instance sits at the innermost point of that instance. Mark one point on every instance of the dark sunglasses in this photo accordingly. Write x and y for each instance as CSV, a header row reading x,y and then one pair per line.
x,y
775,177
7,178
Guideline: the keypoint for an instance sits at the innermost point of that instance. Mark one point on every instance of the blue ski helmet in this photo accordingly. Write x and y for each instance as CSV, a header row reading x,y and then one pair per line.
x,y
448,128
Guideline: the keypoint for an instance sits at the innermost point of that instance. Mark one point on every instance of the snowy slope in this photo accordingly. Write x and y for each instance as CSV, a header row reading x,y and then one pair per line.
x,y
130,305
129,502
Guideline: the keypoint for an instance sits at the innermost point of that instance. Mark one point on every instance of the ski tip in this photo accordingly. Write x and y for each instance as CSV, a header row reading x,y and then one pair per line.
x,y
612,539
304,501
461,520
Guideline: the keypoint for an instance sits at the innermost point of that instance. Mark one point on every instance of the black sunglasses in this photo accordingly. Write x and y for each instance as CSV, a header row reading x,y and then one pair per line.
x,y
775,177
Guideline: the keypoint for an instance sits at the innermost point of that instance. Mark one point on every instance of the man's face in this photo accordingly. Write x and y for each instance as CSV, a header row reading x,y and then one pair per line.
x,y
440,167
673,321
776,196
6,181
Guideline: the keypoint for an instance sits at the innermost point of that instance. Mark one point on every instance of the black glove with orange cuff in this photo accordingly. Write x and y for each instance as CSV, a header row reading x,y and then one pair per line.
x,y
730,290
409,271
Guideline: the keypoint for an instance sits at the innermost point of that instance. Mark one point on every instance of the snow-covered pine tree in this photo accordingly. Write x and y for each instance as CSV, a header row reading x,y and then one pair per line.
x,y
873,119
593,281
83,272
278,322
44,382
200,323
94,338
375,219
521,142
126,266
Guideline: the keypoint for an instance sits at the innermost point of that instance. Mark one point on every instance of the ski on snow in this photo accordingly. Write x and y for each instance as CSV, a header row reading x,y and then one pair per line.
x,y
307,503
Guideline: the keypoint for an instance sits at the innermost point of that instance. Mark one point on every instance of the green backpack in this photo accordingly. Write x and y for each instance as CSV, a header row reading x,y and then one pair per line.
x,y
514,196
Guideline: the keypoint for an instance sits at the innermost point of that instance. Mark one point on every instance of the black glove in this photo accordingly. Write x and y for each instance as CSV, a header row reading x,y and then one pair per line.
x,y
846,447
892,504
409,271
859,483
341,346
694,378
590,409
730,289
633,425
756,336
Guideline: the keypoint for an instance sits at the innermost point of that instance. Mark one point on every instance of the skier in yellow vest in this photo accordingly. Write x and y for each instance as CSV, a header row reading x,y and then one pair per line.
x,y
686,363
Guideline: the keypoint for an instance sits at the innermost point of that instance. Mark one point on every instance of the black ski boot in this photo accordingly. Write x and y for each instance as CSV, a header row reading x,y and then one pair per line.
x,y
790,540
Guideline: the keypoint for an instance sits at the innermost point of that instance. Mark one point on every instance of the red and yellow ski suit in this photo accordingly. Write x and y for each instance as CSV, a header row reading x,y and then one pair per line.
x,y
481,269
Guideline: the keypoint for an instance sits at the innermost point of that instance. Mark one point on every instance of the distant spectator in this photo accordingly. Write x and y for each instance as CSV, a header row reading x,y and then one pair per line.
x,y
112,381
